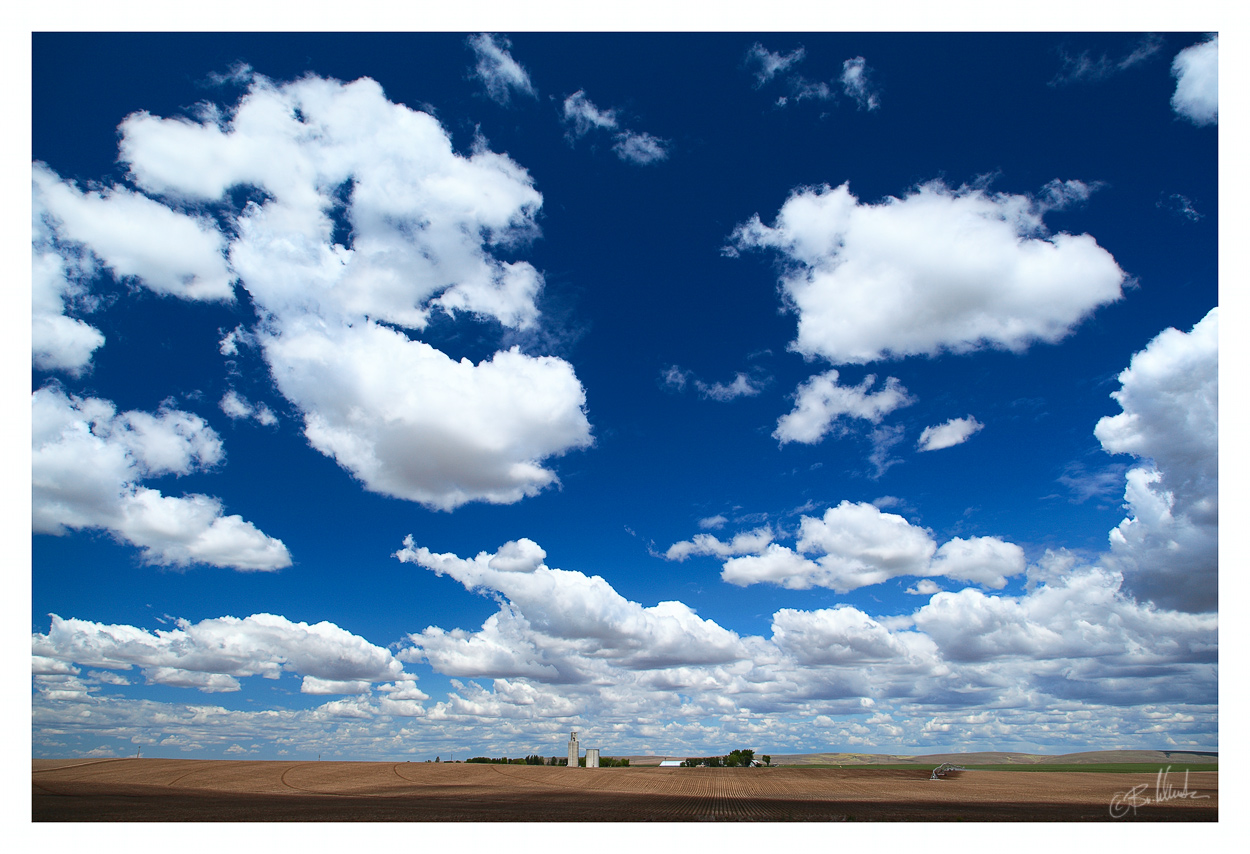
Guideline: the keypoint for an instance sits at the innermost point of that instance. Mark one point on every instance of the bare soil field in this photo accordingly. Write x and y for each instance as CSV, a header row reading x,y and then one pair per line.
x,y
210,790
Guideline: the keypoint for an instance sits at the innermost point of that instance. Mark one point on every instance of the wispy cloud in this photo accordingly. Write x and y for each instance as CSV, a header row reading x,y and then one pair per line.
x,y
1180,205
583,117
640,148
768,64
1083,67
855,81
883,439
857,84
676,378
499,72
238,74
802,89
1106,483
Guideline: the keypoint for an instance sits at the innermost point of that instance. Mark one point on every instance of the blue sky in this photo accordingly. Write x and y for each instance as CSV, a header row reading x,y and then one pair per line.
x,y
403,395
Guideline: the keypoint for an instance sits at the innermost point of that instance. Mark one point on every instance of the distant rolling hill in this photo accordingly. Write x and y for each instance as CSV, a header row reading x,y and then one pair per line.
x,y
1160,757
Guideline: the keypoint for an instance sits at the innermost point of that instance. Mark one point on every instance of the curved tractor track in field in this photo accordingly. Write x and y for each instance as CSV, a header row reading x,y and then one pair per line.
x,y
293,788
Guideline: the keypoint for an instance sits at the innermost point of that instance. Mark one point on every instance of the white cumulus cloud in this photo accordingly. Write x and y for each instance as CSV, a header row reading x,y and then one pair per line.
x,y
397,413
87,466
132,235
1196,69
836,636
1062,664
1168,548
820,401
58,342
1076,614
857,545
747,542
315,685
937,270
212,655
567,615
59,282
565,644
987,561
411,422
948,434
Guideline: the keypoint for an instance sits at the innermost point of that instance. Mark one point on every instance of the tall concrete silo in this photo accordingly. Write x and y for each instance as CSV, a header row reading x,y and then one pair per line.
x,y
573,750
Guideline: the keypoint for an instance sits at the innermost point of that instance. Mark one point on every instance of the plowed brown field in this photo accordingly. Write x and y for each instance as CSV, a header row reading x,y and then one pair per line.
x,y
208,790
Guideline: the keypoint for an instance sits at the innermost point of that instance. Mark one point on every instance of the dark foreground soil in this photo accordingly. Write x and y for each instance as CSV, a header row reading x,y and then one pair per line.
x,y
206,790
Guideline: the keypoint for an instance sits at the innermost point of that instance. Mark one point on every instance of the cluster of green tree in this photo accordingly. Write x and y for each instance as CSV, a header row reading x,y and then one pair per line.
x,y
533,759
733,759
604,762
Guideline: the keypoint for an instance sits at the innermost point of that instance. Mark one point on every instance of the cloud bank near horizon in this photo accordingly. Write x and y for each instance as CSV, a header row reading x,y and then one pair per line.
x,y
565,648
